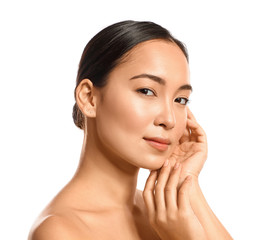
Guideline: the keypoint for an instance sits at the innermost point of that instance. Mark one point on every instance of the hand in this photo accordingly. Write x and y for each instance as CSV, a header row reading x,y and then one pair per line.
x,y
168,206
192,150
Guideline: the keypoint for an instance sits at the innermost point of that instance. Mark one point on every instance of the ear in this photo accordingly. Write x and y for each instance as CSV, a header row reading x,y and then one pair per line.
x,y
86,98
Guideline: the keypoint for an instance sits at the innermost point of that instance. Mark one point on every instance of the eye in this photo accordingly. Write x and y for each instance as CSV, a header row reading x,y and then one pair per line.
x,y
146,91
182,101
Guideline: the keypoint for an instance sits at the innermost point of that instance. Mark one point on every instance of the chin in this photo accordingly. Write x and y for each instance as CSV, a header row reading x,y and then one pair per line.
x,y
152,162
155,162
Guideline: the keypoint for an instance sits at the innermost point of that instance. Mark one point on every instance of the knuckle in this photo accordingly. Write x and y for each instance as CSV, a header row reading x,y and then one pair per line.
x,y
159,187
168,188
152,220
182,193
172,217
184,214
160,220
145,194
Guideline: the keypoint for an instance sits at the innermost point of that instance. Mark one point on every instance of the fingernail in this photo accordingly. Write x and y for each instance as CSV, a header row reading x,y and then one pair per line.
x,y
176,165
166,163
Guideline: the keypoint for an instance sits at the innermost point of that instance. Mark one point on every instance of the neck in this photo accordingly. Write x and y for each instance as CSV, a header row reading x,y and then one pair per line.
x,y
104,180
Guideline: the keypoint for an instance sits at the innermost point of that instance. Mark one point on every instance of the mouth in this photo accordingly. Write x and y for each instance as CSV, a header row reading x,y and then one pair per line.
x,y
160,144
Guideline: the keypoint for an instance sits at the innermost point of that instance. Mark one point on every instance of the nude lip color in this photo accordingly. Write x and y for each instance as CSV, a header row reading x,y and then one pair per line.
x,y
160,144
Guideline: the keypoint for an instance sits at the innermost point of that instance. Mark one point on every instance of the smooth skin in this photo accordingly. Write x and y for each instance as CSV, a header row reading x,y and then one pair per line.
x,y
101,200
176,206
168,199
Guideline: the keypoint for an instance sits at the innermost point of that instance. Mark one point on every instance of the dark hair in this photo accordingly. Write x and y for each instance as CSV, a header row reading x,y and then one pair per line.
x,y
107,48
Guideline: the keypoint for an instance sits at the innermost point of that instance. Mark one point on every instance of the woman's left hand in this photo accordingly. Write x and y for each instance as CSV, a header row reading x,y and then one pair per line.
x,y
168,205
192,150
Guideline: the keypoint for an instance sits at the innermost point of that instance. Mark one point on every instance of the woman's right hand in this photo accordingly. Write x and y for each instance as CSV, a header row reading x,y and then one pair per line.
x,y
168,205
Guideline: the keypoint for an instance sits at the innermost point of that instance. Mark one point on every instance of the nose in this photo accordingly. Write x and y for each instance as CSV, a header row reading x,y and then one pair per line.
x,y
165,117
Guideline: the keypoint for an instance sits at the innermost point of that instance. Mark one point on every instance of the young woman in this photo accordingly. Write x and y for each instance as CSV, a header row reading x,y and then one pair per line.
x,y
132,89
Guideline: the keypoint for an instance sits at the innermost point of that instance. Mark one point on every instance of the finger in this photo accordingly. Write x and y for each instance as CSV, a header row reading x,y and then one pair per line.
x,y
159,188
190,115
188,147
183,195
185,137
192,119
171,189
148,193
197,132
192,125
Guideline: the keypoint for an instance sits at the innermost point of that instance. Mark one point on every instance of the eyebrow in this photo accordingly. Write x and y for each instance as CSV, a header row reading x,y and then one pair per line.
x,y
161,81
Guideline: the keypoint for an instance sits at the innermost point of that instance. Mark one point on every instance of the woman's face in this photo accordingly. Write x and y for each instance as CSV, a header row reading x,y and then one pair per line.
x,y
141,114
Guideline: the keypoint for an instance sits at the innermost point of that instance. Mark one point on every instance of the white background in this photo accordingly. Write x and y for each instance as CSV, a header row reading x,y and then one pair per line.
x,y
229,44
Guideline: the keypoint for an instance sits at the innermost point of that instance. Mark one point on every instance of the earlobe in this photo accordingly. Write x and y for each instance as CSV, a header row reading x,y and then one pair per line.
x,y
85,98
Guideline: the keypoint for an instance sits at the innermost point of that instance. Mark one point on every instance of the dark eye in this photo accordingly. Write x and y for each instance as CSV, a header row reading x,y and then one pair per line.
x,y
146,91
182,101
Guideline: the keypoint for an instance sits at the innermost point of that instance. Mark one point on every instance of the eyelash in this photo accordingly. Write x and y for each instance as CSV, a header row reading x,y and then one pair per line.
x,y
144,91
186,100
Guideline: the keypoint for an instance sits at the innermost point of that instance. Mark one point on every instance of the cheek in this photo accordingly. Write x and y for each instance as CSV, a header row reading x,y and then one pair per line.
x,y
124,115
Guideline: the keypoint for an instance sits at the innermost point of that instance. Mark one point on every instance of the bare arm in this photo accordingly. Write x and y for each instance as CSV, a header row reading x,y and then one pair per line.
x,y
192,154
213,227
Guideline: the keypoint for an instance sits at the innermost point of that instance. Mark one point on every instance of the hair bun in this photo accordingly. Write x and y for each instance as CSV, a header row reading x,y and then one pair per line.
x,y
78,117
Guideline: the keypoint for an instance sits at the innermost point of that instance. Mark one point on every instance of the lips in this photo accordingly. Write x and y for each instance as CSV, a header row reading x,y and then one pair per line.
x,y
160,144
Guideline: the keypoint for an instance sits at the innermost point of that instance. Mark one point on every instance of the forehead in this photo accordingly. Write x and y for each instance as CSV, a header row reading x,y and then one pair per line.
x,y
162,57
156,47
157,57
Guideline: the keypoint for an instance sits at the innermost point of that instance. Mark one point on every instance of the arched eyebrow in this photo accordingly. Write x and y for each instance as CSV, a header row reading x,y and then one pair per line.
x,y
161,81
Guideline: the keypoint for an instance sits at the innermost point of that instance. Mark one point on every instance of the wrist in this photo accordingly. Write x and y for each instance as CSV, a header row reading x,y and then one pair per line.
x,y
194,177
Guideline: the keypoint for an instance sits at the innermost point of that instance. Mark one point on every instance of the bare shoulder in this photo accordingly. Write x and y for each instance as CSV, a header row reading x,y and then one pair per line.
x,y
54,227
